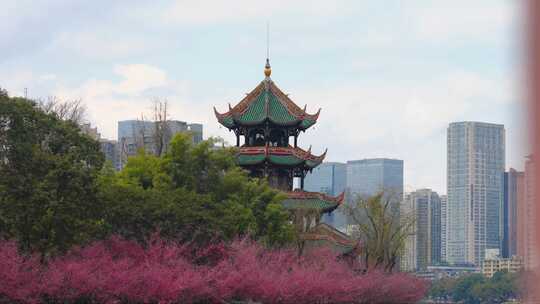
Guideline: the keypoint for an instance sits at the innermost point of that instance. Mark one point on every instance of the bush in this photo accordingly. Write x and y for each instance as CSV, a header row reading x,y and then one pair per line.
x,y
121,271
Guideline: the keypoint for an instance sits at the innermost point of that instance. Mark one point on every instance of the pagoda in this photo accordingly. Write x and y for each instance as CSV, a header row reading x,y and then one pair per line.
x,y
264,122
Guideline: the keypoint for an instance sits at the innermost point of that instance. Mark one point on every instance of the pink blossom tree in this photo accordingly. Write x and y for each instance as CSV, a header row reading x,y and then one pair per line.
x,y
120,271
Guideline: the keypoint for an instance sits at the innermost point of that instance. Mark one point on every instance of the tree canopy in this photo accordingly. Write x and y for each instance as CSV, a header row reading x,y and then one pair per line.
x,y
47,172
192,192
56,193
475,288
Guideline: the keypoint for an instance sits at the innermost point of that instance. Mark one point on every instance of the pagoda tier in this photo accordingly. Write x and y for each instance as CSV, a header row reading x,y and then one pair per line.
x,y
279,156
304,200
265,120
267,103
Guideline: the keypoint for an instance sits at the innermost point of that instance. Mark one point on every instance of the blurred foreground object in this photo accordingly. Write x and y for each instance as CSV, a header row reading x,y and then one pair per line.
x,y
533,64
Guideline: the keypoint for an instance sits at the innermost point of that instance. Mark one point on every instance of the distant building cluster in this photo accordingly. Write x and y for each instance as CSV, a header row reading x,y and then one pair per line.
x,y
486,209
358,179
134,135
494,263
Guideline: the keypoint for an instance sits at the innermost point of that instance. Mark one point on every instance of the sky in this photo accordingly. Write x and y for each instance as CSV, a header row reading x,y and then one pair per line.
x,y
389,75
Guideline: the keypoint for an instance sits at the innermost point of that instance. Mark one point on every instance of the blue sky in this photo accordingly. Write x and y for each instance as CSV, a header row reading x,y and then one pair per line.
x,y
389,75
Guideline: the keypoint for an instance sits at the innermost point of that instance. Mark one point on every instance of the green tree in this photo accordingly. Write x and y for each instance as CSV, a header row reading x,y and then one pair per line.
x,y
48,171
56,193
441,290
498,289
475,288
463,289
193,192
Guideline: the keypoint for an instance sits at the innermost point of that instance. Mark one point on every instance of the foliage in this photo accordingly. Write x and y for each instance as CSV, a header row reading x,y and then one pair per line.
x,y
476,288
47,178
381,231
121,271
56,193
192,192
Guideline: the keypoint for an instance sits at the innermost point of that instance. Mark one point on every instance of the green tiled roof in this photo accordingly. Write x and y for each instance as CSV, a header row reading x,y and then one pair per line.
x,y
277,156
255,113
306,123
228,122
288,160
278,113
267,102
308,203
303,200
285,160
243,159
312,164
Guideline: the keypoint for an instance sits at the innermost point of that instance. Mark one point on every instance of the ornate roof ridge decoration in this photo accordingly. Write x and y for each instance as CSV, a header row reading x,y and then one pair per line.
x,y
283,151
291,105
240,113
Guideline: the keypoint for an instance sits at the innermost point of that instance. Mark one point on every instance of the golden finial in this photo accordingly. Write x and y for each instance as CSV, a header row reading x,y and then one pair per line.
x,y
267,68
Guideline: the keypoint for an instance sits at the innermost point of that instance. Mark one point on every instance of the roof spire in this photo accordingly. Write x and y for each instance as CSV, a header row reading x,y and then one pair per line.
x,y
267,68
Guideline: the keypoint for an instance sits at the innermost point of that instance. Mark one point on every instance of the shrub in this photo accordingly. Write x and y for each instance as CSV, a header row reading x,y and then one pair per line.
x,y
121,271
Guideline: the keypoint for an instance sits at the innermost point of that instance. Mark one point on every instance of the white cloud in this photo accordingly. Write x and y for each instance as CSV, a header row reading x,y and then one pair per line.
x,y
206,12
109,101
460,21
400,119
135,80
47,77
385,87
139,77
99,43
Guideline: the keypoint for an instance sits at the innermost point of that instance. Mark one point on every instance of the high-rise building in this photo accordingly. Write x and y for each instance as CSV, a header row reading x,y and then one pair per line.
x,y
329,178
423,246
475,167
408,260
513,198
367,177
112,153
136,134
527,230
444,224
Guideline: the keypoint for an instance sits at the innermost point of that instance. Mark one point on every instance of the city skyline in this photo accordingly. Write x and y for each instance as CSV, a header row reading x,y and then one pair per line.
x,y
389,86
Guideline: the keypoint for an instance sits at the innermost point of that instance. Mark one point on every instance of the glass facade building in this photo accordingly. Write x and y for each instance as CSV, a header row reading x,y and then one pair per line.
x,y
368,177
475,171
329,178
